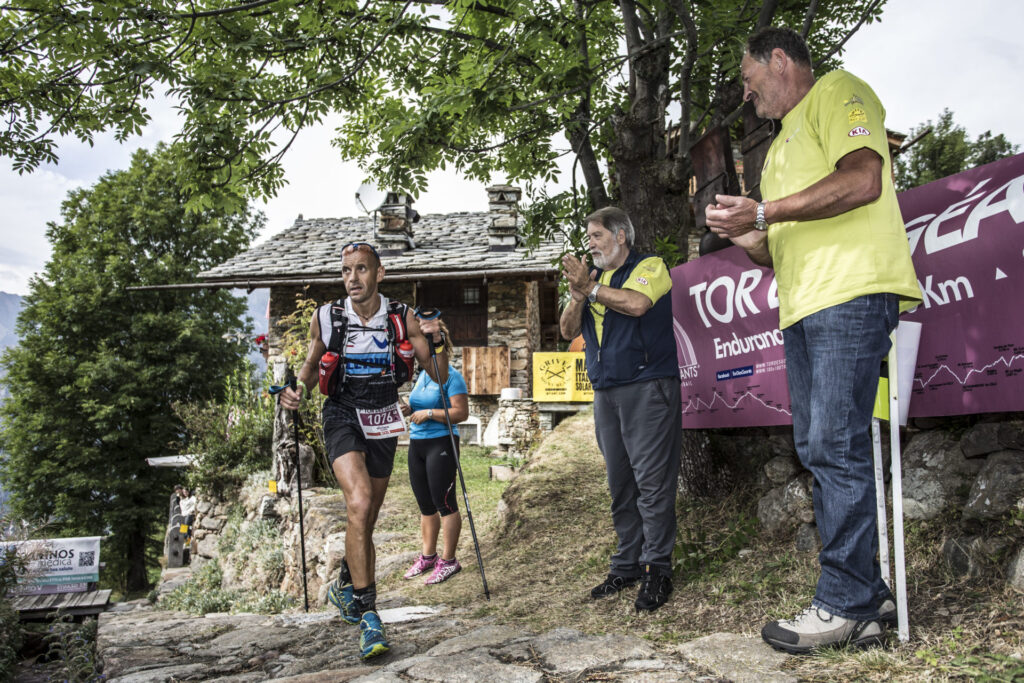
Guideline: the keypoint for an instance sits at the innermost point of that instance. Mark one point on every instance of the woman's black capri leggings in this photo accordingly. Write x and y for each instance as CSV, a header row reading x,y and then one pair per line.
x,y
432,475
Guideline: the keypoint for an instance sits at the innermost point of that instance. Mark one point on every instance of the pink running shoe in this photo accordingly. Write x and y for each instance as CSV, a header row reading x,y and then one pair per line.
x,y
443,570
421,565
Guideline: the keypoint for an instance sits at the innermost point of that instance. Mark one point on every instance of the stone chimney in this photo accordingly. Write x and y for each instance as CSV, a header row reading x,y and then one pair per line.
x,y
394,233
503,204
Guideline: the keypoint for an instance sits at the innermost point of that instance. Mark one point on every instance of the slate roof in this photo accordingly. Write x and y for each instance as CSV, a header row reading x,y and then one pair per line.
x,y
448,242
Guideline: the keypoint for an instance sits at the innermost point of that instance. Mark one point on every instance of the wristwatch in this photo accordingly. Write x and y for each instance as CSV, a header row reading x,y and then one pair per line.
x,y
430,413
760,223
592,297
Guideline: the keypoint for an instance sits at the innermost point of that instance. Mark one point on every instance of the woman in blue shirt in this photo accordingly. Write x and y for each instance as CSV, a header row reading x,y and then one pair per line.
x,y
432,469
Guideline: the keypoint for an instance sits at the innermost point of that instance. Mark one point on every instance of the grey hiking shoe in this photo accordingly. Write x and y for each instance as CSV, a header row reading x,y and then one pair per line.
x,y
887,613
815,627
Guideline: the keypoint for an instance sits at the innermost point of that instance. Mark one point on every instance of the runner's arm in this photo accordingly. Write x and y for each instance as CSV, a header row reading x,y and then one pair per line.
x,y
309,372
423,336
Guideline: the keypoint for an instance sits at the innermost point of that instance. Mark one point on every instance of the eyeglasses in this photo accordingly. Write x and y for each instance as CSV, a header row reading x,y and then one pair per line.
x,y
356,246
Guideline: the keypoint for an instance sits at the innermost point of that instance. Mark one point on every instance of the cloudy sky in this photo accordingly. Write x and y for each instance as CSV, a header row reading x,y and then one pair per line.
x,y
920,58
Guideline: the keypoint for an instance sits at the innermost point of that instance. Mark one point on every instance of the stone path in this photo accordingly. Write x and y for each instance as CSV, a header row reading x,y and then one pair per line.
x,y
138,644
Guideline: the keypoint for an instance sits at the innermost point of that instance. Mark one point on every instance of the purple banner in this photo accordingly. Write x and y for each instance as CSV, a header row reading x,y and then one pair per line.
x,y
967,242
726,324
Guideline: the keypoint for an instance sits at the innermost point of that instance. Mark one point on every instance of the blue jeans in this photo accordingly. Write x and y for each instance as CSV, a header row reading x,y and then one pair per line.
x,y
833,358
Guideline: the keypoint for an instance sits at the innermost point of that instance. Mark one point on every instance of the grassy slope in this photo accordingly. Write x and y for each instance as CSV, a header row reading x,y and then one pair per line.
x,y
553,544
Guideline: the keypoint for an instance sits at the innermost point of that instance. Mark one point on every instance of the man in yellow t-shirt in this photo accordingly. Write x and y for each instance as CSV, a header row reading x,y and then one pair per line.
x,y
831,228
623,308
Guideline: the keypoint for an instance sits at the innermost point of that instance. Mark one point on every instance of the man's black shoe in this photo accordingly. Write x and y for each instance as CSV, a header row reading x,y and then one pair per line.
x,y
654,590
612,585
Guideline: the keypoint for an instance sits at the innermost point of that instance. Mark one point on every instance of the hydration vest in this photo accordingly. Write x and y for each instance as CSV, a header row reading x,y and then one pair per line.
x,y
333,365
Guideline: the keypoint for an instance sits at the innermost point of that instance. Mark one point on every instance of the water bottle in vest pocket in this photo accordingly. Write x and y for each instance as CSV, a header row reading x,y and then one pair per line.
x,y
329,372
407,353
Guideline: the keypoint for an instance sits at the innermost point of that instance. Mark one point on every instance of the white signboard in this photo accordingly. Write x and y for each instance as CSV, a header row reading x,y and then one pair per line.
x,y
58,565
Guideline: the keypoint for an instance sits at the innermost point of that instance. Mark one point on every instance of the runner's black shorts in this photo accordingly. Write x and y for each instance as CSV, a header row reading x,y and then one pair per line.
x,y
342,435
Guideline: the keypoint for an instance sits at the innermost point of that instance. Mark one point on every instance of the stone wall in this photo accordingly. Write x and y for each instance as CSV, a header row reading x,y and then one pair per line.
x,y
324,520
513,320
978,471
211,516
518,426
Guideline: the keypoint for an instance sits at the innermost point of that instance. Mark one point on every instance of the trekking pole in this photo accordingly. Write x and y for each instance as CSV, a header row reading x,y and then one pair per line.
x,y
298,479
430,314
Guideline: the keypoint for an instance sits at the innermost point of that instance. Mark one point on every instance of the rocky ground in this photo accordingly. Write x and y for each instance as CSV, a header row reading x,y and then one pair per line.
x,y
138,644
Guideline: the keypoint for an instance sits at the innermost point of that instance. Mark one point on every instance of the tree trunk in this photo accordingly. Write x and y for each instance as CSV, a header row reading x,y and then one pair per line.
x,y
645,182
137,578
701,475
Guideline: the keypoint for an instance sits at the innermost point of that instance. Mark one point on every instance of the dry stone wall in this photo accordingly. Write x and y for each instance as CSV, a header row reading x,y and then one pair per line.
x,y
513,320
978,471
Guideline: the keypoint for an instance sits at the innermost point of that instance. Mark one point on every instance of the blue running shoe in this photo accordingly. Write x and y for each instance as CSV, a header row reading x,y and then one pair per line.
x,y
372,640
344,599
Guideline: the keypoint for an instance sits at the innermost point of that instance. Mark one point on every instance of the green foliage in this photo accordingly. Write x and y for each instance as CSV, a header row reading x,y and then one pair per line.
x,y
294,342
74,647
233,437
668,249
945,151
203,594
10,625
98,368
254,547
700,555
489,89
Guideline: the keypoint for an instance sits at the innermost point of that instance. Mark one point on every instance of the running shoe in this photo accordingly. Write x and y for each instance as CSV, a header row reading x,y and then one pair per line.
x,y
372,640
422,564
343,597
443,571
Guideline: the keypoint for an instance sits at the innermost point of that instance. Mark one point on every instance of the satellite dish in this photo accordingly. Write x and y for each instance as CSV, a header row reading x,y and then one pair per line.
x,y
368,198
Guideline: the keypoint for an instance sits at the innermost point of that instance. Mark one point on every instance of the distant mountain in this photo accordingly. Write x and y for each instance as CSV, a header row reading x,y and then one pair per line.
x,y
10,306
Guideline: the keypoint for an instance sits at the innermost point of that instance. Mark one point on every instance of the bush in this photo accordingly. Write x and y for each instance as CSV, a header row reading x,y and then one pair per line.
x,y
10,626
234,438
203,594
74,647
294,342
253,548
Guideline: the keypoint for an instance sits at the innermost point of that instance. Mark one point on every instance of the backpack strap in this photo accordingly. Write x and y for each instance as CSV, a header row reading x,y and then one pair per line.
x,y
339,327
397,331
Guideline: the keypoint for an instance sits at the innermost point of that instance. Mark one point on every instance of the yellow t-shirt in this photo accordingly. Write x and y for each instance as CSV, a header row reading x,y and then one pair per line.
x,y
649,277
826,262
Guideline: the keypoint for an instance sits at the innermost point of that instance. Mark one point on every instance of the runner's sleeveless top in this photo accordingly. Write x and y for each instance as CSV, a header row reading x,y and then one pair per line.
x,y
365,386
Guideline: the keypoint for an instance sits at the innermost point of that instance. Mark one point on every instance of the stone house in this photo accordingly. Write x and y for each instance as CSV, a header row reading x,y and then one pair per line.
x,y
498,298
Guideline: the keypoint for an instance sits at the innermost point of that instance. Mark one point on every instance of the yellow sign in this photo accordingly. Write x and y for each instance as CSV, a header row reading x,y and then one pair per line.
x,y
183,528
272,485
559,377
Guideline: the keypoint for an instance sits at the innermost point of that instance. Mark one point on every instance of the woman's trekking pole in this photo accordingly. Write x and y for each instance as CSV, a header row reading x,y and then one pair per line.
x,y
298,483
430,314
